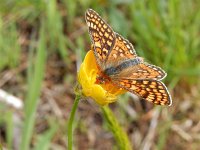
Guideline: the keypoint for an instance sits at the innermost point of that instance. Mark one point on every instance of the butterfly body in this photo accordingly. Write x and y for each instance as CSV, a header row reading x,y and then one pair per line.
x,y
118,63
123,65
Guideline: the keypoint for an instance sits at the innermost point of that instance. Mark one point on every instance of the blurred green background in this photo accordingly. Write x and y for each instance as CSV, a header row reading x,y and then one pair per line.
x,y
43,42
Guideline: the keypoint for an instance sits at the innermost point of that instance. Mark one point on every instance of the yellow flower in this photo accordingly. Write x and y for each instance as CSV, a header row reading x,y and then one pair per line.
x,y
102,93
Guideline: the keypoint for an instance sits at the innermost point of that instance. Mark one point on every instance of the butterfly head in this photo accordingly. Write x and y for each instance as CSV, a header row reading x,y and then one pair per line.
x,y
102,79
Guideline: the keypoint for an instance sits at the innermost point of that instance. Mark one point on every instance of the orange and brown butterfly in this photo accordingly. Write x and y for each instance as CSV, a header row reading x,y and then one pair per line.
x,y
119,63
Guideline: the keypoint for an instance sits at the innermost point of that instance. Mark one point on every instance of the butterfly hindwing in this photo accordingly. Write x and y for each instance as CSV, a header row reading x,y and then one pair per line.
x,y
150,90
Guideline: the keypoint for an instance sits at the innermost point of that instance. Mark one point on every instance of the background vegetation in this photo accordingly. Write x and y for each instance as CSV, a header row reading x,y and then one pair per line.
x,y
42,43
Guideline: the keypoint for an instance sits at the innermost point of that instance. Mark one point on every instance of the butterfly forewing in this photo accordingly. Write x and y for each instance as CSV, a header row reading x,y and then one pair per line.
x,y
122,50
151,90
101,34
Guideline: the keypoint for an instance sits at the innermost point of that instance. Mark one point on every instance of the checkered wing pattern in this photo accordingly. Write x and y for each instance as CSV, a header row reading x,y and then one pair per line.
x,y
102,36
122,50
150,90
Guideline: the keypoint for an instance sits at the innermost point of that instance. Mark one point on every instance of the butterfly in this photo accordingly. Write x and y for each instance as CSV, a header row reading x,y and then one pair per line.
x,y
118,62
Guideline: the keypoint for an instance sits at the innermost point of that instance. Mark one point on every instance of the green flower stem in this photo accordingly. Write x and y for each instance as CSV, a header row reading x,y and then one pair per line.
x,y
70,123
119,134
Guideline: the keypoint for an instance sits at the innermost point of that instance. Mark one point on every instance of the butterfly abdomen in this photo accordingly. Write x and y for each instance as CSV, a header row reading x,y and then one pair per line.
x,y
123,65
